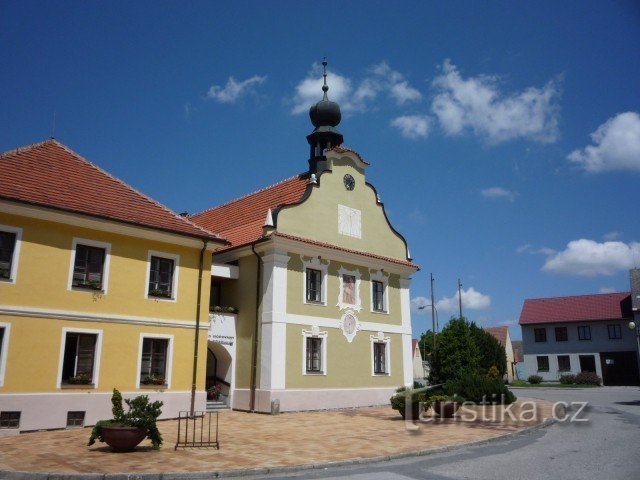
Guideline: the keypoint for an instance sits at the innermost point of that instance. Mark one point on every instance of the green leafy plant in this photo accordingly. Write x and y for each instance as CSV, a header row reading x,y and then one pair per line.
x,y
221,309
153,379
534,379
479,389
141,413
160,293
80,379
588,378
403,395
493,373
213,393
567,379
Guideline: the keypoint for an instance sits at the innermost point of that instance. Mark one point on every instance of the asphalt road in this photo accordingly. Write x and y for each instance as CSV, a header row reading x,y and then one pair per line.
x,y
606,447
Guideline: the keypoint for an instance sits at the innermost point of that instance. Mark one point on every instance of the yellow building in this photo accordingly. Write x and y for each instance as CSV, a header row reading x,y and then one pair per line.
x,y
320,280
98,289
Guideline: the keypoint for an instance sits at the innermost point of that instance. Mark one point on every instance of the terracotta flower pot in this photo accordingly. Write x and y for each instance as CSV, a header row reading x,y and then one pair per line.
x,y
445,409
122,438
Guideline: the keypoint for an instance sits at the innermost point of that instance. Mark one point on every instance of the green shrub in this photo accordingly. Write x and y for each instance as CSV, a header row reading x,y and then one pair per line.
x,y
141,414
534,379
567,379
588,378
478,389
399,400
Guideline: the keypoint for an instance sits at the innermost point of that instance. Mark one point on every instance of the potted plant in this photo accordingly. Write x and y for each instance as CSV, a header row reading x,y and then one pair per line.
x,y
153,379
160,293
127,429
445,405
80,379
416,397
221,309
213,393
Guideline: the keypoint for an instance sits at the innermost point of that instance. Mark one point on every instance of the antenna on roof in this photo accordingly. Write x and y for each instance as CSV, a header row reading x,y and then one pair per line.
x,y
53,125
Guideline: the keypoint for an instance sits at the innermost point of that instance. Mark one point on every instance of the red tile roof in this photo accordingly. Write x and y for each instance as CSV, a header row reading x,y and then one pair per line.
x,y
240,221
414,345
500,333
50,174
604,306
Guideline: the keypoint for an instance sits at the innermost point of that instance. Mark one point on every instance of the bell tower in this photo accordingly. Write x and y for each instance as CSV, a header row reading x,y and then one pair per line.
x,y
325,116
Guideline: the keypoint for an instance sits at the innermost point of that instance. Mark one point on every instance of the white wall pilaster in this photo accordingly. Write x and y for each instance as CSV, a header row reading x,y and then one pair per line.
x,y
405,313
273,351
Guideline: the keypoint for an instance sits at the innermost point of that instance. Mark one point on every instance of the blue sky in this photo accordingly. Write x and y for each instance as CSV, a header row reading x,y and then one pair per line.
x,y
504,137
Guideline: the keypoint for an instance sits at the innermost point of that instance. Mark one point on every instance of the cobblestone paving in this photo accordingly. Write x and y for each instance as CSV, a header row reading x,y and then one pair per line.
x,y
254,441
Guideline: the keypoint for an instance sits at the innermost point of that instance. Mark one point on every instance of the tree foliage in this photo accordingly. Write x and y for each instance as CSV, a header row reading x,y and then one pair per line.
x,y
464,349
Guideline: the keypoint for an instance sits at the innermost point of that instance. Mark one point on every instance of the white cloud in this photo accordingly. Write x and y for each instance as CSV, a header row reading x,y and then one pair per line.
x,y
612,235
471,300
616,145
589,258
499,192
412,126
528,248
418,302
351,95
233,90
476,103
607,290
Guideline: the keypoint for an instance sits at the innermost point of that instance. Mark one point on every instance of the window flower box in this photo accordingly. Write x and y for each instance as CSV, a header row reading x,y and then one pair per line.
x,y
160,293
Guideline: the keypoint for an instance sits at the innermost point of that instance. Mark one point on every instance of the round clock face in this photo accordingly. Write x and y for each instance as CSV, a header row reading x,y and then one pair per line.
x,y
349,324
349,182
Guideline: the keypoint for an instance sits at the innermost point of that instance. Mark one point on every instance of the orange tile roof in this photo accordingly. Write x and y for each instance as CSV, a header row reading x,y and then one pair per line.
x,y
240,221
499,333
50,174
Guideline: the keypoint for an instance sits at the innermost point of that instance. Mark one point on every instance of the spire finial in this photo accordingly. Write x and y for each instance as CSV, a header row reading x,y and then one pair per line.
x,y
325,87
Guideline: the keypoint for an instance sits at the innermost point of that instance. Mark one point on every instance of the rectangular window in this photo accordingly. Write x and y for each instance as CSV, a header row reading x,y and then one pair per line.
x,y
314,285
153,366
543,363
215,293
615,333
7,247
564,363
349,289
79,358
314,355
378,296
9,419
584,332
561,334
161,277
88,267
75,419
379,357
540,334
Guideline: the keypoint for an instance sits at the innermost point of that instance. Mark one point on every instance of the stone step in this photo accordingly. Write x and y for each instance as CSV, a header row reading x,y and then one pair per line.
x,y
216,405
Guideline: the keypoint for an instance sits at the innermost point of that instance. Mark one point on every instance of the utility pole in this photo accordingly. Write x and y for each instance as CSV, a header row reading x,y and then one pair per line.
x,y
433,318
460,297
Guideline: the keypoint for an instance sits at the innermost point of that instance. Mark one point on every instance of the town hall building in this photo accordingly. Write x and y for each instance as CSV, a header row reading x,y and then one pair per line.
x,y
320,281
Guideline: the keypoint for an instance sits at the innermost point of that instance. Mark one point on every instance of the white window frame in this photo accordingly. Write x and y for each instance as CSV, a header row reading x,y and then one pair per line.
x,y
380,338
105,269
169,369
383,277
96,361
356,273
317,264
13,274
4,350
314,333
174,281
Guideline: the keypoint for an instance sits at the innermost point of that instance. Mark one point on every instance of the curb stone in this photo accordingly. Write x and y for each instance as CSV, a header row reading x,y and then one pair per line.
x,y
16,475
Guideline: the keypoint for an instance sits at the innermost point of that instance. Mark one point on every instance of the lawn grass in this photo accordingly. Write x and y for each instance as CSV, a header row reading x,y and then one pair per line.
x,y
524,383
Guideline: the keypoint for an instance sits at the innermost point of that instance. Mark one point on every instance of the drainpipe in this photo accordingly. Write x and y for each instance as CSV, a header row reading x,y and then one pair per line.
x,y
254,352
197,337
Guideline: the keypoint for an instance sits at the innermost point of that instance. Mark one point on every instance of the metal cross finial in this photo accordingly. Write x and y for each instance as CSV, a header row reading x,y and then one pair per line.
x,y
325,87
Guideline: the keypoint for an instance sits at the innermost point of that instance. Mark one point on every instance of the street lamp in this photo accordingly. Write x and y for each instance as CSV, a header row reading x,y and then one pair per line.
x,y
632,325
